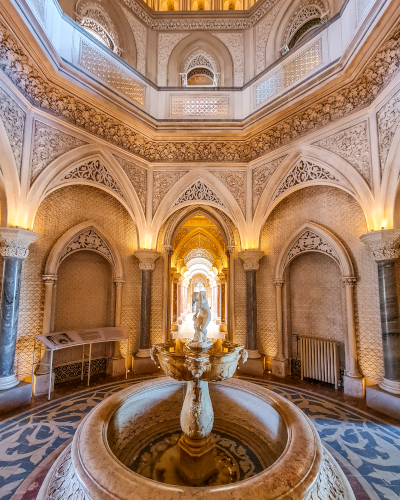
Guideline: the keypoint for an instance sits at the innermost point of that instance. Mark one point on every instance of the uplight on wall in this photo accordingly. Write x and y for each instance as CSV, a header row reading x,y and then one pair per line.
x,y
383,224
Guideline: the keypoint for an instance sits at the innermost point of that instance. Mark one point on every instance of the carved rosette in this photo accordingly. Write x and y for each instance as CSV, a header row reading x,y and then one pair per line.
x,y
349,280
279,283
14,242
384,244
147,259
251,259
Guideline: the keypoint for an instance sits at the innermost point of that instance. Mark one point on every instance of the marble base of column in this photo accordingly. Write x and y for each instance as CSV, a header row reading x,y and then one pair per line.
x,y
392,386
354,386
253,354
280,367
143,353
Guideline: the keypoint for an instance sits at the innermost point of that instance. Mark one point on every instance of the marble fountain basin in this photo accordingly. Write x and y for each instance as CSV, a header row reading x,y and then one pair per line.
x,y
95,466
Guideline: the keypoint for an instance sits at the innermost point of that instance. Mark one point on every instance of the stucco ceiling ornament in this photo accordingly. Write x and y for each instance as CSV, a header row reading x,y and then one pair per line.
x,y
263,29
199,192
163,181
305,171
138,177
352,144
261,176
308,242
48,145
199,253
94,171
88,240
360,93
388,123
13,118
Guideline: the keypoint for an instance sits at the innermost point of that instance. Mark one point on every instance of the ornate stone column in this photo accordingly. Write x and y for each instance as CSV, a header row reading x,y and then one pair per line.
x,y
218,322
116,364
222,303
385,247
166,305
279,365
251,264
230,252
147,264
14,245
175,302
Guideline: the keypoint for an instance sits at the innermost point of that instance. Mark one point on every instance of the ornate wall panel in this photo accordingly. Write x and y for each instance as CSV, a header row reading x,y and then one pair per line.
x,y
310,241
199,192
235,45
352,144
305,171
140,35
388,122
48,145
61,210
166,44
260,178
88,240
340,213
13,118
308,9
199,105
236,183
138,177
262,33
163,181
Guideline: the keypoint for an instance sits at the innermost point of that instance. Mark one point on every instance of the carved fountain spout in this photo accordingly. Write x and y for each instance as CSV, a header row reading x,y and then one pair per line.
x,y
198,362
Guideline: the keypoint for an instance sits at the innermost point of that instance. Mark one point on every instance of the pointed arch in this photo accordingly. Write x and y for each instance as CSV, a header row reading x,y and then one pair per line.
x,y
68,243
390,182
192,234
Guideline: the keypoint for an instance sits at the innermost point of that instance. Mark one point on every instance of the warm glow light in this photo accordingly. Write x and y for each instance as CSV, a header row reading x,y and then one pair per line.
x,y
383,224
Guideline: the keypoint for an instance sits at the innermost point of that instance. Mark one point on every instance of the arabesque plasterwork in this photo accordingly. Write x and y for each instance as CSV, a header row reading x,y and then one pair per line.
x,y
352,144
263,29
340,103
307,242
261,176
140,36
163,180
138,177
199,192
234,43
166,44
305,171
309,9
13,118
49,144
87,240
388,122
235,181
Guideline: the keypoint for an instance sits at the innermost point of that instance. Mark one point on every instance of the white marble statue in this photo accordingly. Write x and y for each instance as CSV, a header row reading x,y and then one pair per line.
x,y
201,317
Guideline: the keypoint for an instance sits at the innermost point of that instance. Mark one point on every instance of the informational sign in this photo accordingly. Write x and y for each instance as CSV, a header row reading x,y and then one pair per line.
x,y
59,340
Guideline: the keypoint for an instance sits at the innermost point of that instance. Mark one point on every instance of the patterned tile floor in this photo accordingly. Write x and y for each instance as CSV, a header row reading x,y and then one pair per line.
x,y
366,446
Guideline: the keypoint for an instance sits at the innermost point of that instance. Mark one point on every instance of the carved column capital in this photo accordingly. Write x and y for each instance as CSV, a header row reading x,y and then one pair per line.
x,y
349,280
176,277
49,278
279,283
14,242
119,281
384,244
167,249
231,249
147,259
222,278
251,259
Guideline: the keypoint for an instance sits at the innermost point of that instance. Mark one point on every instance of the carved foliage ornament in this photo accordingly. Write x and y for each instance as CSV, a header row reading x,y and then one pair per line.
x,y
140,35
94,171
355,96
261,176
15,242
310,242
162,183
199,253
384,244
13,118
388,122
88,240
235,182
199,192
303,172
138,177
262,33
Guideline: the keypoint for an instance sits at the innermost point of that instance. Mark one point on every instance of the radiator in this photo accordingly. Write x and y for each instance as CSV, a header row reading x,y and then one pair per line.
x,y
320,360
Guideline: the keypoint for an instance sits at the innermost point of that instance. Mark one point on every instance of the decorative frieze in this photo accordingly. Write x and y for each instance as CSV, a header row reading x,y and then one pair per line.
x,y
388,122
305,171
234,43
138,177
199,192
48,145
310,242
88,240
13,118
235,181
384,244
163,181
166,44
352,144
96,172
260,178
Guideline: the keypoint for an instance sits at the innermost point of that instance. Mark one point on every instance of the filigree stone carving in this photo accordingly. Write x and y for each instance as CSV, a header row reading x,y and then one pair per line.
x,y
235,182
328,484
199,253
88,240
303,172
251,259
13,118
14,242
307,10
94,171
310,242
166,44
263,29
388,122
198,58
138,177
147,259
49,144
358,94
234,43
140,35
384,244
163,181
260,178
199,192
352,144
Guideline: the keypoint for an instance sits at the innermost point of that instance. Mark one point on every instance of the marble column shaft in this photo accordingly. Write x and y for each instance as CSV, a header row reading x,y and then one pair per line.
x,y
145,307
251,310
175,303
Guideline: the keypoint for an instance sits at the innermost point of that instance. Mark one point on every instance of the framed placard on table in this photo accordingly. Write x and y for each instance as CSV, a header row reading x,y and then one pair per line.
x,y
60,340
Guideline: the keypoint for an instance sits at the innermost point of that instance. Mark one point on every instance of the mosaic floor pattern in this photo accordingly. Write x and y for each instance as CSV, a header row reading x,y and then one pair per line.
x,y
369,448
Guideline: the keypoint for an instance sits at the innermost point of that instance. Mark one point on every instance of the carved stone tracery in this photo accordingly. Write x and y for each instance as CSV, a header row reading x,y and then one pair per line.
x,y
88,240
138,177
13,118
199,192
236,182
163,181
260,178
388,122
310,242
310,9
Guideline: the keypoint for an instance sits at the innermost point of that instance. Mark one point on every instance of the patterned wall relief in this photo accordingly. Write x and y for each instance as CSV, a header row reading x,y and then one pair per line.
x,y
262,33
94,171
140,35
260,178
234,43
166,44
88,240
199,192
307,242
163,182
236,183
13,118
388,122
49,144
309,9
352,144
381,69
304,171
138,177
